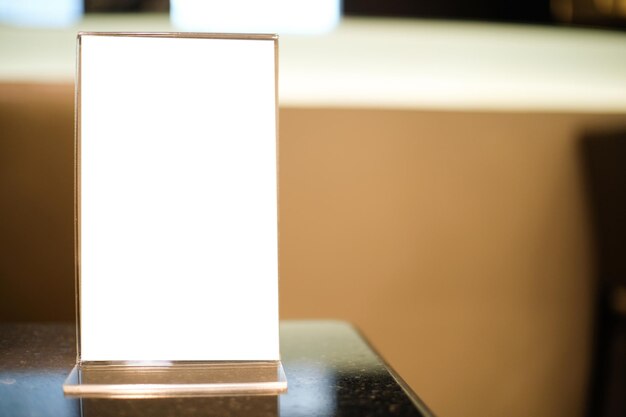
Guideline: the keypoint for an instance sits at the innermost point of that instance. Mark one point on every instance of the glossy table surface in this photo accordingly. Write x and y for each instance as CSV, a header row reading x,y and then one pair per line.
x,y
331,371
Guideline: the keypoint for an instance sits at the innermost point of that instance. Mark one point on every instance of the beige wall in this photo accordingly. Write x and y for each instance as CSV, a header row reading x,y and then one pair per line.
x,y
457,241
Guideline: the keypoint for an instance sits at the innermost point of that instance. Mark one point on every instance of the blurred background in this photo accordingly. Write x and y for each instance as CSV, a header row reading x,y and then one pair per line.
x,y
452,181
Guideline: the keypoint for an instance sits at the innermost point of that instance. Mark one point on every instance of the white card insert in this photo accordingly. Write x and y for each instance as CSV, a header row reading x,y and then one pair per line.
x,y
177,198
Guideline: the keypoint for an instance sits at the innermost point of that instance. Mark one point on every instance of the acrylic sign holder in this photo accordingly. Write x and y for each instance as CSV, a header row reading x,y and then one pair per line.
x,y
176,216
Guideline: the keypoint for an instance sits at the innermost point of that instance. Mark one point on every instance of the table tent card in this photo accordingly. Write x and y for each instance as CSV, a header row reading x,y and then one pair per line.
x,y
176,215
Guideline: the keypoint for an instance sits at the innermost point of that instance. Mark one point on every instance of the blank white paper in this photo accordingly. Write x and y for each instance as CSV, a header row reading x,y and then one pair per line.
x,y
178,199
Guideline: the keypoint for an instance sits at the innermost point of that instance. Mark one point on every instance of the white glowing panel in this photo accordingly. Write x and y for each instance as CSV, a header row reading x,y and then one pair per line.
x,y
178,196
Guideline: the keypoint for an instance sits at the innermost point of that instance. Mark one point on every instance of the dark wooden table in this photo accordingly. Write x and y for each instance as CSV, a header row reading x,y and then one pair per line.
x,y
331,371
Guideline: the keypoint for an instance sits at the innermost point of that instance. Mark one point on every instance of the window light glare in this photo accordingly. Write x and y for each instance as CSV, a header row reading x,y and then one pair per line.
x,y
250,16
41,13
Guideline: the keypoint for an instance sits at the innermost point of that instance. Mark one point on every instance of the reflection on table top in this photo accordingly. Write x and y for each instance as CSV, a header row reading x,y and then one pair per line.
x,y
330,370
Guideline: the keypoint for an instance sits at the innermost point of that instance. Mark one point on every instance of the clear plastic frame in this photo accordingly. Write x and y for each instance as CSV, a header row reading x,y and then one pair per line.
x,y
176,208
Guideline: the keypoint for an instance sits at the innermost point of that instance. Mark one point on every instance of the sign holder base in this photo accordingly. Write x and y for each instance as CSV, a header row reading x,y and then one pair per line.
x,y
174,379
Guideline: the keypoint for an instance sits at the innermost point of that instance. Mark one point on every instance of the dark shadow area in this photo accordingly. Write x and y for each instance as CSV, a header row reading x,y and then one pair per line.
x,y
535,11
586,13
604,161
